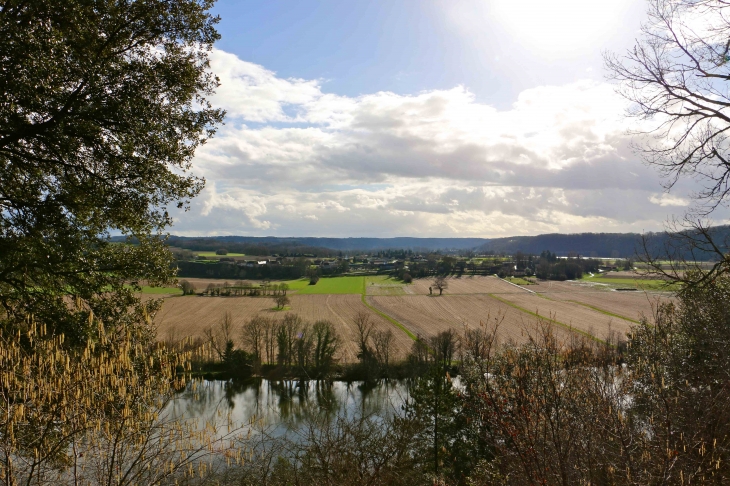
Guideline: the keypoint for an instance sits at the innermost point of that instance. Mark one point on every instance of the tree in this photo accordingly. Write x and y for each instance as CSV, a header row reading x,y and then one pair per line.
x,y
187,287
681,365
313,274
441,283
104,105
364,327
676,78
254,336
221,251
433,405
218,336
326,342
281,301
286,336
383,348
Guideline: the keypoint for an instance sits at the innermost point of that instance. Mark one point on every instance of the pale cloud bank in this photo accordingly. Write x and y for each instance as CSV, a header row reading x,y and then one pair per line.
x,y
294,160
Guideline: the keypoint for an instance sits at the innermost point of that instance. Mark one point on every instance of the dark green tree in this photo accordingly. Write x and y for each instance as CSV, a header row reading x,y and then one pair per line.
x,y
435,406
103,107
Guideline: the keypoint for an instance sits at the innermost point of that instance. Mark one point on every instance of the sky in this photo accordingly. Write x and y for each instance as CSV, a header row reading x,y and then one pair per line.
x,y
425,118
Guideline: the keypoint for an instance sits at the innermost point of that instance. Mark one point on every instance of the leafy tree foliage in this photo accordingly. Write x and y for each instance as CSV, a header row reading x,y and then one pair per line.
x,y
104,103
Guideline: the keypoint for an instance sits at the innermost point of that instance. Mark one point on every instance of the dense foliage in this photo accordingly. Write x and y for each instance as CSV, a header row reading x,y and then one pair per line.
x,y
103,107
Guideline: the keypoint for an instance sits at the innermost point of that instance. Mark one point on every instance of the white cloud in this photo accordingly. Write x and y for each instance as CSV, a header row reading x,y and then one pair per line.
x,y
668,200
293,160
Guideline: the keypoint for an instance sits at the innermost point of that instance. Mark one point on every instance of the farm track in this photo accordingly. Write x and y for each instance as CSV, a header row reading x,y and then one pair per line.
x,y
190,315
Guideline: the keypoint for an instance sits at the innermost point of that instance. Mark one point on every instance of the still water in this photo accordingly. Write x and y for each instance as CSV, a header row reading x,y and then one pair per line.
x,y
280,407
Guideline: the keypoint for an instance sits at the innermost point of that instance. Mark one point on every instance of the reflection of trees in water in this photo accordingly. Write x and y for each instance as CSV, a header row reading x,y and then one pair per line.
x,y
297,399
382,398
286,404
238,387
199,399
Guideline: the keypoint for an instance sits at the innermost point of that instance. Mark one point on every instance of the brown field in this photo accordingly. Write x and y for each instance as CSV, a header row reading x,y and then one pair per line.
x,y
465,301
190,315
632,305
467,285
568,313
427,316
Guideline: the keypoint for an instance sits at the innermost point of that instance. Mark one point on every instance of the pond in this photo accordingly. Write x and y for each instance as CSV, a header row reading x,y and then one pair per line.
x,y
284,406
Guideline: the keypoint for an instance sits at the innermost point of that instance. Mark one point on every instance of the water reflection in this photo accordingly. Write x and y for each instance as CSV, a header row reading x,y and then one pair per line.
x,y
283,406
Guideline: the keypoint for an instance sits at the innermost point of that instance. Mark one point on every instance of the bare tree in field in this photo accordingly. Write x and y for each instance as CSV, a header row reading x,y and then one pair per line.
x,y
218,335
441,283
281,301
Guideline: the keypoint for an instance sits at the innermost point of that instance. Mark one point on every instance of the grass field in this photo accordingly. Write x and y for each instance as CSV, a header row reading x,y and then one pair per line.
x,y
159,290
384,285
162,290
211,254
519,281
328,285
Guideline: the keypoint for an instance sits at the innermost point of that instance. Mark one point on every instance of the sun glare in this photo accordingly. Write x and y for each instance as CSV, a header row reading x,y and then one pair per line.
x,y
553,28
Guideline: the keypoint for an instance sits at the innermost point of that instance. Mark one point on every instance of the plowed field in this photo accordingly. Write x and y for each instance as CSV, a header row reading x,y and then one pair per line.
x,y
571,314
467,285
190,315
632,305
427,316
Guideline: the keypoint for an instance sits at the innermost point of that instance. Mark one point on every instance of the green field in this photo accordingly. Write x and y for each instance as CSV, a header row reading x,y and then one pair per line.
x,y
329,285
211,254
161,290
519,281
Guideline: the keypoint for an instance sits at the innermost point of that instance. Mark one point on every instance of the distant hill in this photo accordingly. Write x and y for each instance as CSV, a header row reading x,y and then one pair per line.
x,y
592,244
337,244
585,244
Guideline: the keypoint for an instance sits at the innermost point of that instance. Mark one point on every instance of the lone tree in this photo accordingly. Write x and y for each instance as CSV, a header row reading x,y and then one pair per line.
x,y
440,283
281,301
103,106
187,287
313,274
